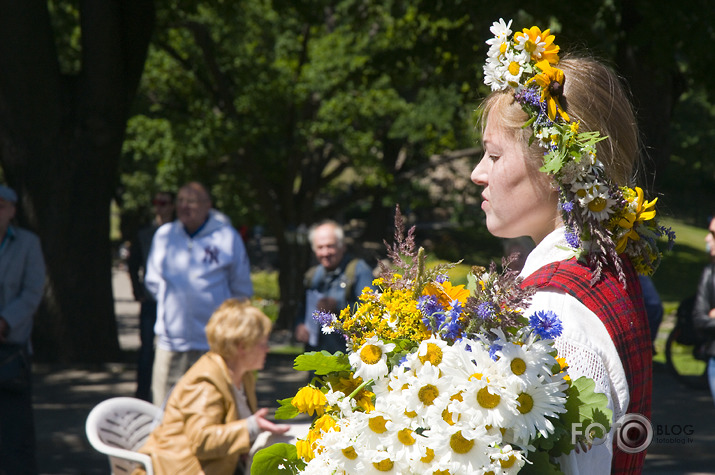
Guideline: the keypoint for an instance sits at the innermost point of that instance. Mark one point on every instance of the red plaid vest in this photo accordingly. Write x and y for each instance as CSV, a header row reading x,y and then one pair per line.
x,y
623,313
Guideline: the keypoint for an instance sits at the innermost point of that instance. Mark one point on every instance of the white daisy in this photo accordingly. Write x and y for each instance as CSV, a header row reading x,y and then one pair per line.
x,y
500,30
426,389
598,202
535,405
464,447
505,460
342,451
370,360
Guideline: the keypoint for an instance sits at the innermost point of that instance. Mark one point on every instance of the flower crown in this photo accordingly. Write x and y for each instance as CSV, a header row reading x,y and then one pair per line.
x,y
602,219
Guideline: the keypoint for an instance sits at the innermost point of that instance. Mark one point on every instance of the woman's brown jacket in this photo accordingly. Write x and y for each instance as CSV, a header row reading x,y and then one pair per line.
x,y
200,432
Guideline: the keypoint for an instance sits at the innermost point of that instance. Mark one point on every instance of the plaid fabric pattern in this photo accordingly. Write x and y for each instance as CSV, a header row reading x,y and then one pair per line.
x,y
623,313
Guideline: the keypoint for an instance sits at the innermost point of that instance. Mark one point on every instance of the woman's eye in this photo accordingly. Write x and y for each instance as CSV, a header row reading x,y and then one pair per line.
x,y
494,158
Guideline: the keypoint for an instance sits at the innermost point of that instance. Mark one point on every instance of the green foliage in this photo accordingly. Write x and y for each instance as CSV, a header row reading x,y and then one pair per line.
x,y
583,407
286,410
322,362
540,465
265,285
679,271
277,459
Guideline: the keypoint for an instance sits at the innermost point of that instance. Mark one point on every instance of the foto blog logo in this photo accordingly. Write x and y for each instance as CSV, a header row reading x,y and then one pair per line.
x,y
633,433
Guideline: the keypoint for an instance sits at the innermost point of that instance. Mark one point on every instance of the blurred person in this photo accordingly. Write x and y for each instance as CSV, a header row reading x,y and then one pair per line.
x,y
653,305
704,310
332,285
163,204
212,416
195,263
22,281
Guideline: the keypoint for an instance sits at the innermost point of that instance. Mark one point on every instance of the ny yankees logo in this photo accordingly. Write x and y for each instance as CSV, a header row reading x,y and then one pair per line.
x,y
211,255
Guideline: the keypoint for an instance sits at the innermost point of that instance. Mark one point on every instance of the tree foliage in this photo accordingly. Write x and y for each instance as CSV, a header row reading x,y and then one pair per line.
x,y
296,111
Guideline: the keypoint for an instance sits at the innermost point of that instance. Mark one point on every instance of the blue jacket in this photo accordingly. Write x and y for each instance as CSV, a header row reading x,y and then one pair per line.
x,y
22,281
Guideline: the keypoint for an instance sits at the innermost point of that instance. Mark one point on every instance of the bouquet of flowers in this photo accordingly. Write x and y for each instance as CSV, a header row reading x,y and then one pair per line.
x,y
437,379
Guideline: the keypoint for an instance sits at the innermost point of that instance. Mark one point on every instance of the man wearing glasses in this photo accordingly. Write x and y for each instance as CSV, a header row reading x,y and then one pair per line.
x,y
163,204
195,263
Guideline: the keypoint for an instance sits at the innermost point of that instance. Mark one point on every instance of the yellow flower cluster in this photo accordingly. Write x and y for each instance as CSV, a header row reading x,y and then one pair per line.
x,y
390,314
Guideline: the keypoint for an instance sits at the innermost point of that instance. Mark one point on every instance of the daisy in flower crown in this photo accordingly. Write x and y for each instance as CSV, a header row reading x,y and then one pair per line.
x,y
560,146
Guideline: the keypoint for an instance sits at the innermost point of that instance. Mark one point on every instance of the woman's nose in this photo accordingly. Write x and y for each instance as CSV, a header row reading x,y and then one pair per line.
x,y
479,174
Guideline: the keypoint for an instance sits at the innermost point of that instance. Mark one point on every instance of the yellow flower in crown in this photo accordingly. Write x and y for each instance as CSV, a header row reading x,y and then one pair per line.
x,y
551,81
539,44
639,211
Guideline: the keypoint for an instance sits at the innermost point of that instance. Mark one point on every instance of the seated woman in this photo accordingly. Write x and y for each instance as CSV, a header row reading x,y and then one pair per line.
x,y
211,417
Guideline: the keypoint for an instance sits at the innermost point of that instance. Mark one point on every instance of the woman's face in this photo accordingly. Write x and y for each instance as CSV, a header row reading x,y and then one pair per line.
x,y
518,200
254,357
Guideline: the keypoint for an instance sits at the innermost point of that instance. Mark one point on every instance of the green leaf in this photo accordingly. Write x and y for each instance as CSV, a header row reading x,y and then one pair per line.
x,y
322,362
286,409
277,459
583,407
540,465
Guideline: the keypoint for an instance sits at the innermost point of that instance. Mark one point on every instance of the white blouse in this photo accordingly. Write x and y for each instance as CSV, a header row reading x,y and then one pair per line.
x,y
587,348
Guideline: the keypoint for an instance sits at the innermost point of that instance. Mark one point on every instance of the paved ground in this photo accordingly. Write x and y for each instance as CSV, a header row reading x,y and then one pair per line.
x,y
683,419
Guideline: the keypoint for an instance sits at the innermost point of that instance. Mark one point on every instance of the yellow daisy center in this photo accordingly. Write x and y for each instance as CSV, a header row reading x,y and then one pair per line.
x,y
514,68
597,204
502,48
508,463
405,436
442,472
433,354
529,46
486,399
384,465
377,424
459,444
350,453
411,414
427,394
370,354
526,403
518,366
447,417
429,456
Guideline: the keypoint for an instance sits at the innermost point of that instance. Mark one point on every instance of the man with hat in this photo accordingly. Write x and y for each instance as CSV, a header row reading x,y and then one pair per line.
x,y
22,281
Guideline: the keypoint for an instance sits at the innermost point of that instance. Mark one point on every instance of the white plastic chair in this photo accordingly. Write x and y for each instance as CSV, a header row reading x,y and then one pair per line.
x,y
118,427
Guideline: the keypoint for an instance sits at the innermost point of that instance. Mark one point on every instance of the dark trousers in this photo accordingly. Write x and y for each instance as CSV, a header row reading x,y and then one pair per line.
x,y
17,429
147,319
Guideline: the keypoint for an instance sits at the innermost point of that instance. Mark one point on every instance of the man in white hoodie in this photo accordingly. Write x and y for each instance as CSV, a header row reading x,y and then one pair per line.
x,y
195,263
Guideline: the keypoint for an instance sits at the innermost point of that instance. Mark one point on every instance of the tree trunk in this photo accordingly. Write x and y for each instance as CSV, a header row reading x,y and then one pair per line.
x,y
61,138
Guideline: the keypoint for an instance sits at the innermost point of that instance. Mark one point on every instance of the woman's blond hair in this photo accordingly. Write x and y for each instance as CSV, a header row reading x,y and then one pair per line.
x,y
594,96
236,322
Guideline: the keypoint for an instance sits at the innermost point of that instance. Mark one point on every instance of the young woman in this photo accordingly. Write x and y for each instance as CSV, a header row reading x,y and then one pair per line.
x,y
211,418
563,180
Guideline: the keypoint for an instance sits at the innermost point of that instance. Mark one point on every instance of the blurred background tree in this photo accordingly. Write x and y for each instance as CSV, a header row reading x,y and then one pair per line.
x,y
67,80
294,111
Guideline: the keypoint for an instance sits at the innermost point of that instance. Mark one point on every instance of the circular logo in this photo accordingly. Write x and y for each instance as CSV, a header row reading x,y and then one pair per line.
x,y
634,433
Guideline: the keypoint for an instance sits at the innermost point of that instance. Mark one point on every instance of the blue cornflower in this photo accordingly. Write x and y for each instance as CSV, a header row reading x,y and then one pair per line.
x,y
485,310
431,310
572,239
452,328
546,324
428,305
324,318
441,278
567,206
493,351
